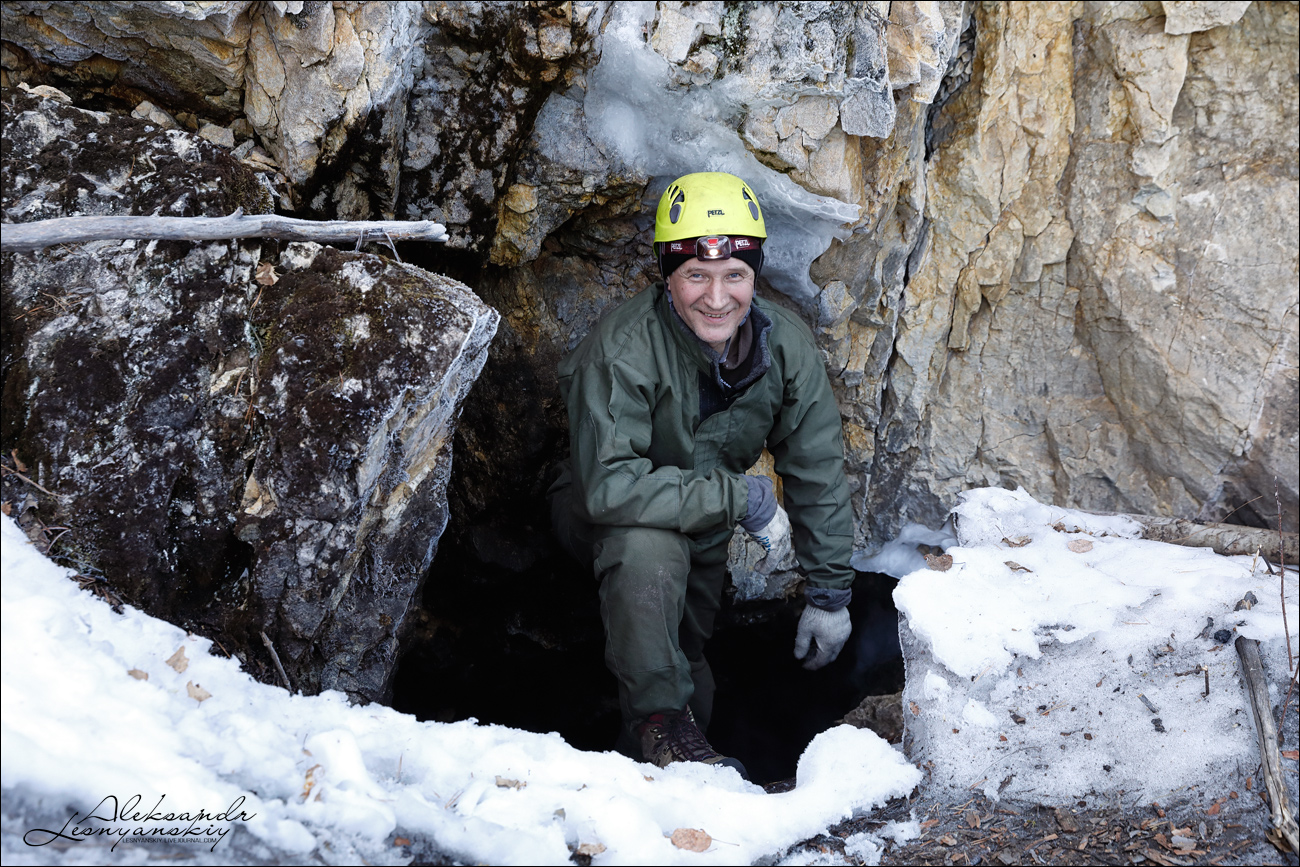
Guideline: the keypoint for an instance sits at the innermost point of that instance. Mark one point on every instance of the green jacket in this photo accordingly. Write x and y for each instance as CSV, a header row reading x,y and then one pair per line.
x,y
642,457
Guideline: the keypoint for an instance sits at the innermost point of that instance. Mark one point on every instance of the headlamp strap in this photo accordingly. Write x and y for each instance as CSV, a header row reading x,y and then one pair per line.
x,y
711,246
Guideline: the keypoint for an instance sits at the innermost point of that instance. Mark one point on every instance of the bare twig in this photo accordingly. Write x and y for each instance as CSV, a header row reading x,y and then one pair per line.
x,y
10,472
1291,667
26,237
275,657
1281,580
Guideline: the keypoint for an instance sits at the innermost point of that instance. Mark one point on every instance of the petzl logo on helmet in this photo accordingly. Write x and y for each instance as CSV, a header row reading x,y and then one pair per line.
x,y
716,213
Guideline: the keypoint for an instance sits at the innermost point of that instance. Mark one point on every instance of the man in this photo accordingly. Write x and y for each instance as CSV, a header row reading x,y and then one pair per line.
x,y
671,398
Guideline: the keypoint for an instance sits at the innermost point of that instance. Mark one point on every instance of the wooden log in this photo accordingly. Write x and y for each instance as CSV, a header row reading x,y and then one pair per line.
x,y
1228,539
26,237
1284,821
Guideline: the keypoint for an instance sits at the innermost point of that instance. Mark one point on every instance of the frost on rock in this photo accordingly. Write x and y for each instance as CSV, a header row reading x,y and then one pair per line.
x,y
1083,671
640,114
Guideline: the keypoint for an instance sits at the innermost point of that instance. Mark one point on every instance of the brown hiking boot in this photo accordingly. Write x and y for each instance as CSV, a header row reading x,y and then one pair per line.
x,y
668,738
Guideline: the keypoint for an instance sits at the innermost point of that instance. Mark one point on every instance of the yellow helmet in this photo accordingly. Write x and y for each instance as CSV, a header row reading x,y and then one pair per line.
x,y
708,203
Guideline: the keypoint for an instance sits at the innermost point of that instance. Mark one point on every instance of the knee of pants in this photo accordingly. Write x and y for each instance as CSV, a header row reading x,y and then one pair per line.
x,y
641,567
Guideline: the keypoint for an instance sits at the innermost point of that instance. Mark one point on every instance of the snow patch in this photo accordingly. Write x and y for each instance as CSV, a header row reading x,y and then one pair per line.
x,y
1082,655
314,774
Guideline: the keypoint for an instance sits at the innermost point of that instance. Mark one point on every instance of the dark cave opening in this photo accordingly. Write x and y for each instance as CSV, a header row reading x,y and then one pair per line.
x,y
526,650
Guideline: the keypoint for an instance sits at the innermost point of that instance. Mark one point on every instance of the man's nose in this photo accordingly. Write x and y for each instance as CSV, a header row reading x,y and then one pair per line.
x,y
716,294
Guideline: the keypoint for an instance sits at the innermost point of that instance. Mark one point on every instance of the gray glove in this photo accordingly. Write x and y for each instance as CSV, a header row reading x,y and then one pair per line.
x,y
766,522
775,539
829,629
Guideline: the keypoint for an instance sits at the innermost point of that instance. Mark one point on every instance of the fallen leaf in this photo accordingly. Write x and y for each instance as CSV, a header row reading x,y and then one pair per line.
x,y
197,692
929,823
1291,754
1018,542
178,661
1058,527
266,274
593,849
401,841
938,562
309,781
972,818
948,840
691,839
1079,546
1002,738
1249,782
6,508
916,710
18,464
1016,567
1232,795
648,779
1069,824
1152,855
1213,811
1017,718
1087,736
138,674
503,783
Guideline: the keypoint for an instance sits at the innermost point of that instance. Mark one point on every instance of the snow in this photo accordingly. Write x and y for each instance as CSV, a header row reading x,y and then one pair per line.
x,y
666,131
899,556
292,778
1066,646
1089,617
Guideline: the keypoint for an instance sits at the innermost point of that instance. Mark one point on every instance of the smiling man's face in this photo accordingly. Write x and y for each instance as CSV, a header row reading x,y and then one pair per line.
x,y
712,297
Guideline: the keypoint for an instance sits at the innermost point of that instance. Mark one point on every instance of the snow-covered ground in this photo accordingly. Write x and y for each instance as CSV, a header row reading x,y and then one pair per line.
x,y
1023,681
1061,658
100,706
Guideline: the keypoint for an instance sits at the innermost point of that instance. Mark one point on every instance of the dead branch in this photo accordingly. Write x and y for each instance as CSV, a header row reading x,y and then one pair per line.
x,y
25,237
1284,822
275,657
1227,539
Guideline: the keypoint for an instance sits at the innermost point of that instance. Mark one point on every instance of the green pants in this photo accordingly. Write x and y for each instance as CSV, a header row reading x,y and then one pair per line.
x,y
659,593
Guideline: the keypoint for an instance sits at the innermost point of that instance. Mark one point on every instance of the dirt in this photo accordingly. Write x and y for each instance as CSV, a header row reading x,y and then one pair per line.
x,y
979,831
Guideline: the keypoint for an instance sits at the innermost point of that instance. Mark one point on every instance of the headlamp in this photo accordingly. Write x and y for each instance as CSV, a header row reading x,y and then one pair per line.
x,y
712,247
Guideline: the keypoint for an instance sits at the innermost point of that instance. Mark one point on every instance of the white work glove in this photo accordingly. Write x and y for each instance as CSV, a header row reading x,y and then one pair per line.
x,y
829,629
774,536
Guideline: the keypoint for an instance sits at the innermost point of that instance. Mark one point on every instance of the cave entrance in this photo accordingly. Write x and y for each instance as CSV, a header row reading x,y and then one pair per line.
x,y
526,650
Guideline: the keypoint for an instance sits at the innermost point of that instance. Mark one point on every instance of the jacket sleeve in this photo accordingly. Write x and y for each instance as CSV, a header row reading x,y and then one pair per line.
x,y
808,448
610,407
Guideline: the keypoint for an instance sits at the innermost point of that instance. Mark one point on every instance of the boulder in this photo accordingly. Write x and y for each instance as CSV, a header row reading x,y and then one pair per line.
x,y
250,444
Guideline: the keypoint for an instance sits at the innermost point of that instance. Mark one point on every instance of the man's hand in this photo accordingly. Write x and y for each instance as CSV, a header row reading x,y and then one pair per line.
x,y
766,522
829,629
775,539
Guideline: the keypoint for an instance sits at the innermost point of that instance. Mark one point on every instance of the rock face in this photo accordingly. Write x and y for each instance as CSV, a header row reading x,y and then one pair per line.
x,y
1040,244
258,451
